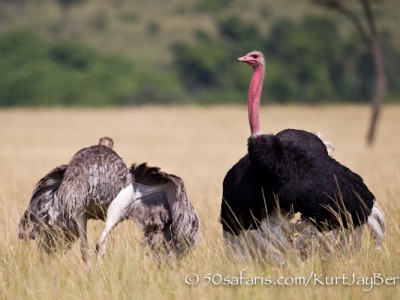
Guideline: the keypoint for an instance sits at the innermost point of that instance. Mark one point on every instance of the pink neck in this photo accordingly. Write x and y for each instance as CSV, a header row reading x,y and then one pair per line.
x,y
254,99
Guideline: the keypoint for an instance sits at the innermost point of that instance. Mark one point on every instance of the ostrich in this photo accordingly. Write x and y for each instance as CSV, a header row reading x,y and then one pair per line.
x,y
161,208
96,184
290,171
106,141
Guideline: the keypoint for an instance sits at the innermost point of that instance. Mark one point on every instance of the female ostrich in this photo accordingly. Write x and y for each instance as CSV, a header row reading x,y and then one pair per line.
x,y
96,184
290,171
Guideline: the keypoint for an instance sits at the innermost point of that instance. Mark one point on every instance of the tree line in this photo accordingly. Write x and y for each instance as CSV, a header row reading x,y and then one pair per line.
x,y
307,61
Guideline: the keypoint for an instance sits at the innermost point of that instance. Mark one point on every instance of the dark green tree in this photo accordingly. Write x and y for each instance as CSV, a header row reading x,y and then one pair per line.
x,y
303,61
366,26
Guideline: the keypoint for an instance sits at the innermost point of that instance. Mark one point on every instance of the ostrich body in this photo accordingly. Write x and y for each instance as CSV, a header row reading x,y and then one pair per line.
x,y
162,209
95,178
96,184
290,171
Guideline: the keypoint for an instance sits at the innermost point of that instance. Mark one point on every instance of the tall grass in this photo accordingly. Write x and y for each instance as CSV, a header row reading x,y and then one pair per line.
x,y
199,144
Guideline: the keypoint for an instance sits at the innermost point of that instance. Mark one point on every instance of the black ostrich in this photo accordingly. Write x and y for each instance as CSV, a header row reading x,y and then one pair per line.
x,y
290,171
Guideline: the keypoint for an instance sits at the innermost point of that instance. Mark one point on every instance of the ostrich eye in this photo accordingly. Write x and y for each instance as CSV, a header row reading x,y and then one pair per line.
x,y
255,56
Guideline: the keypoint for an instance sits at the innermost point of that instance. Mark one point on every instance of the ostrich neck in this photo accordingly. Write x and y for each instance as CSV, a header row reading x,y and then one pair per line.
x,y
254,100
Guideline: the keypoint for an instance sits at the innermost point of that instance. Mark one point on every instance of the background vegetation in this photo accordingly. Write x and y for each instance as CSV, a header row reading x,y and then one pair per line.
x,y
98,52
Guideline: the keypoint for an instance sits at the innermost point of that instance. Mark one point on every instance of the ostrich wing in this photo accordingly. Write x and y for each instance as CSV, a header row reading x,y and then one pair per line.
x,y
38,208
161,203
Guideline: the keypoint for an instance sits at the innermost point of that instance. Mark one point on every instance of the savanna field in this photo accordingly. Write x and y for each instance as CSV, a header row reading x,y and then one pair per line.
x,y
199,144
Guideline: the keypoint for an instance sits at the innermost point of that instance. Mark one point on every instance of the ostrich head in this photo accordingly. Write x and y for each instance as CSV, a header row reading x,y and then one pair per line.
x,y
253,58
106,141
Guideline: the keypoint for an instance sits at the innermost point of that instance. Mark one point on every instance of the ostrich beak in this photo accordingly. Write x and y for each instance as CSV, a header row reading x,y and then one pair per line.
x,y
241,59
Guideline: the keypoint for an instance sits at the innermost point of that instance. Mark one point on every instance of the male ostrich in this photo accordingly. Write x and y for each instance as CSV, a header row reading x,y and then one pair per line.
x,y
290,171
96,184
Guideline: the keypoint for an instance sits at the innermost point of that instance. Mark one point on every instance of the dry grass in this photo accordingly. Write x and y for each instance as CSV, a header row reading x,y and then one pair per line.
x,y
200,144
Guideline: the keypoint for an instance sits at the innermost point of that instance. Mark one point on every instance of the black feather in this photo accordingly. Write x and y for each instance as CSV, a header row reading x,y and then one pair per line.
x,y
292,169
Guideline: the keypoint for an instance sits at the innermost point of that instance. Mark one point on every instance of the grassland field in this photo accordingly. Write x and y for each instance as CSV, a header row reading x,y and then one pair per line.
x,y
199,144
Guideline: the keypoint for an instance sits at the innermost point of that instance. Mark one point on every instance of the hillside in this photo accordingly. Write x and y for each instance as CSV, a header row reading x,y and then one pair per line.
x,y
144,30
147,31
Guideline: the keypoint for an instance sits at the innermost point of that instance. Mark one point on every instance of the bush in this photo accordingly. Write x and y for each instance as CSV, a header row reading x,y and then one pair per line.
x,y
307,61
37,72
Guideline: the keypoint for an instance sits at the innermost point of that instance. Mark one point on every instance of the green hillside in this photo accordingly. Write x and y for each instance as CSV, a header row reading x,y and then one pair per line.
x,y
164,43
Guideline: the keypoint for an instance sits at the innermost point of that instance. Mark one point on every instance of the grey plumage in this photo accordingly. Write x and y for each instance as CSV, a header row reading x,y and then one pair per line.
x,y
34,223
86,188
93,178
169,221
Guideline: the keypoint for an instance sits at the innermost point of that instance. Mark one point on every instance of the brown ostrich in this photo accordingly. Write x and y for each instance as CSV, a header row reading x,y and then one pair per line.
x,y
96,184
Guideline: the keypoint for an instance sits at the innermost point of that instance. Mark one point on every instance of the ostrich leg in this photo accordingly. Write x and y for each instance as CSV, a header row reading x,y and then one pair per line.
x,y
115,213
82,226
